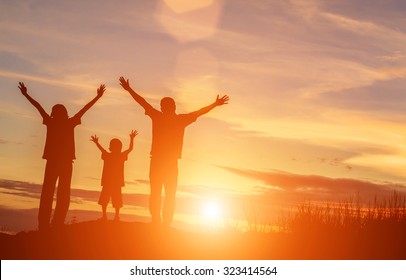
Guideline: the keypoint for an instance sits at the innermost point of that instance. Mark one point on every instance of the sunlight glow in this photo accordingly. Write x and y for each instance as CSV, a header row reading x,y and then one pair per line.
x,y
211,211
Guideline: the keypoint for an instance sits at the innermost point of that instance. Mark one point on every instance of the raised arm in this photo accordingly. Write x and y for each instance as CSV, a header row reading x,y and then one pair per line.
x,y
219,101
24,91
100,92
140,100
132,136
95,139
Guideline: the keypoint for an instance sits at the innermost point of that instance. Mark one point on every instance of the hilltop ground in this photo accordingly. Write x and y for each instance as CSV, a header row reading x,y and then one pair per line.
x,y
130,240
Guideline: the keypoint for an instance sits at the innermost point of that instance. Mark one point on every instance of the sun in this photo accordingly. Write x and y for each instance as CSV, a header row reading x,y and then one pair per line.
x,y
211,211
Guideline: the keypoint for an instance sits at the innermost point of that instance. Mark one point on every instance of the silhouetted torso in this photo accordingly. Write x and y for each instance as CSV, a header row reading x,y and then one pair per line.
x,y
113,169
60,143
167,133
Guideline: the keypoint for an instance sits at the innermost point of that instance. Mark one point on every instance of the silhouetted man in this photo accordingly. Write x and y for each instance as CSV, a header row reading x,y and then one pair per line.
x,y
167,141
59,152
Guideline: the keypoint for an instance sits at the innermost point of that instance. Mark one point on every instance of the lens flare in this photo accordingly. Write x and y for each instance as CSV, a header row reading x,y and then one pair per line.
x,y
189,21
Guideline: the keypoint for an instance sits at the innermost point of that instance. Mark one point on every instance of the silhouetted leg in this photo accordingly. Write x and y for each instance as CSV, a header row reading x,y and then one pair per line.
x,y
169,204
155,180
171,184
104,200
63,193
117,214
155,201
104,211
117,201
47,195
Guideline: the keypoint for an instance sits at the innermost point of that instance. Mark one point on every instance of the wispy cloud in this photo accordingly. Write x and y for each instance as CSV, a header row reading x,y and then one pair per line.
x,y
318,187
32,190
43,80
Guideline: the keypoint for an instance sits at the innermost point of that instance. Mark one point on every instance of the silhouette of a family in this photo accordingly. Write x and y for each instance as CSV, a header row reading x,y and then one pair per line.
x,y
166,149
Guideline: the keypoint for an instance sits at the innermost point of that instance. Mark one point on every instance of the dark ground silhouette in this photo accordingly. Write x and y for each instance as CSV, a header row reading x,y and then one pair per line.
x,y
132,240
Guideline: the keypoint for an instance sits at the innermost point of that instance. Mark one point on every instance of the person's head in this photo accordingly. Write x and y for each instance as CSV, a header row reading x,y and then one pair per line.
x,y
168,105
115,145
59,112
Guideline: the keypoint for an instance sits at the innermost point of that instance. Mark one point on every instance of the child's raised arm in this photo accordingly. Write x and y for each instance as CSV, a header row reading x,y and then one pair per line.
x,y
95,139
132,136
24,91
100,92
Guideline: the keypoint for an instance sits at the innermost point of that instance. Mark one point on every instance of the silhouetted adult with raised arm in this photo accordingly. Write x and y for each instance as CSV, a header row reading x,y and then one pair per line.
x,y
59,152
167,141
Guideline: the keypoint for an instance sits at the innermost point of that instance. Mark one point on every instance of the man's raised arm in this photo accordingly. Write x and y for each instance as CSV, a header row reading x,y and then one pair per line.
x,y
219,101
140,100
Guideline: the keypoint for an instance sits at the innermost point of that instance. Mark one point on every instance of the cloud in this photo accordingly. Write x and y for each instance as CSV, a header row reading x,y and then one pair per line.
x,y
24,189
135,204
319,187
189,201
32,190
385,13
382,96
137,182
15,219
48,81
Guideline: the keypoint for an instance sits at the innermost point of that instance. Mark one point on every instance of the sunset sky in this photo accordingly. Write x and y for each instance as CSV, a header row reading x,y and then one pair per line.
x,y
316,111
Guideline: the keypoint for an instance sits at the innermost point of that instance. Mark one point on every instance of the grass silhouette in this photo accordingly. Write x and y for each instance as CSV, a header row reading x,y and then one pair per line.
x,y
383,216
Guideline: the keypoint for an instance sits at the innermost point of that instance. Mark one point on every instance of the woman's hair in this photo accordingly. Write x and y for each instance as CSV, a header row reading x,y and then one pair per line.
x,y
59,112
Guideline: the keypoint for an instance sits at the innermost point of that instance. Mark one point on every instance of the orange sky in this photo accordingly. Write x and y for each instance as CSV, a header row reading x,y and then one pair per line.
x,y
316,87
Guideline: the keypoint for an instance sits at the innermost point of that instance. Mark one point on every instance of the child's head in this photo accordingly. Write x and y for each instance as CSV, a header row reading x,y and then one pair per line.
x,y
115,145
59,112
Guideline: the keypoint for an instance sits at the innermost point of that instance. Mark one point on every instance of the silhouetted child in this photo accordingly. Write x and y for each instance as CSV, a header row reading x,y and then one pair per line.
x,y
113,173
59,152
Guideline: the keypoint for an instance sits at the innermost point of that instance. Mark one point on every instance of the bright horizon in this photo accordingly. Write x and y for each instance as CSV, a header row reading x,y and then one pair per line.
x,y
316,111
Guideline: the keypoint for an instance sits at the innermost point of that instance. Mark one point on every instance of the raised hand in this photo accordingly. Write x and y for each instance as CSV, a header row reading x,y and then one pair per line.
x,y
94,139
221,101
22,88
133,134
125,83
38,106
101,90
